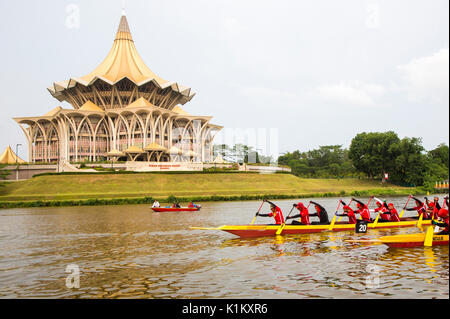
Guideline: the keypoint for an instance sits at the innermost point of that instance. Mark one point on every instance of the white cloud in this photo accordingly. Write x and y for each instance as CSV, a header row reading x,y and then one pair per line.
x,y
427,78
352,93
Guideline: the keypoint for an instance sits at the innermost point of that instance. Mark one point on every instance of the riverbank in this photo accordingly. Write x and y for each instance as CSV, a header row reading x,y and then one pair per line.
x,y
117,189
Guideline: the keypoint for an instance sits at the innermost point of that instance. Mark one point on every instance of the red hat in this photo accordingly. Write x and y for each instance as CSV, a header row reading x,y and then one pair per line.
x,y
300,206
431,204
346,207
443,213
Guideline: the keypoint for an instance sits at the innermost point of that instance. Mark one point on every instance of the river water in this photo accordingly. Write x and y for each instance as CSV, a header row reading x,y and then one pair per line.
x,y
131,252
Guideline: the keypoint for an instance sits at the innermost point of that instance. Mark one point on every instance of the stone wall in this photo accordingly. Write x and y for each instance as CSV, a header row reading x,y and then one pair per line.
x,y
28,171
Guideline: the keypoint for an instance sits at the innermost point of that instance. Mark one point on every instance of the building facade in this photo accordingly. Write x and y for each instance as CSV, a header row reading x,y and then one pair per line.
x,y
121,110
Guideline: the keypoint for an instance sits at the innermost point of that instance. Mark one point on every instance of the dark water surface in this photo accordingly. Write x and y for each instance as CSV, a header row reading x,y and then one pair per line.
x,y
131,252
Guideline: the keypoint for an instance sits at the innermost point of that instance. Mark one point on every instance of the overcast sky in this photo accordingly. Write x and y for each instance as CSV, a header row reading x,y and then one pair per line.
x,y
316,72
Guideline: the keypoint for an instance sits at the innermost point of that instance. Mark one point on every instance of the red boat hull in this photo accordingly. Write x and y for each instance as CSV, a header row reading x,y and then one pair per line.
x,y
170,209
416,244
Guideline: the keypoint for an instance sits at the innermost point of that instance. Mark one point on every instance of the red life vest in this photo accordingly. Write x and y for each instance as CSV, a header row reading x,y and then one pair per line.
x,y
422,210
365,214
350,214
435,210
304,214
382,210
394,216
278,215
443,214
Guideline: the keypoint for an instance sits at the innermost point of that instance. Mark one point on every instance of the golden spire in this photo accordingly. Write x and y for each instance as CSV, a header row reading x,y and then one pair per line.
x,y
123,60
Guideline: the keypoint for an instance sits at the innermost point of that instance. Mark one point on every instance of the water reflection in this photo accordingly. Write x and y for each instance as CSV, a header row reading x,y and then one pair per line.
x,y
130,252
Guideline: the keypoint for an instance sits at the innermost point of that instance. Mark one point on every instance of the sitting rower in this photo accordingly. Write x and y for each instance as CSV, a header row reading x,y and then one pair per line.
x,y
443,215
176,205
349,213
156,204
433,207
383,210
363,211
304,215
192,205
393,213
321,212
420,208
275,213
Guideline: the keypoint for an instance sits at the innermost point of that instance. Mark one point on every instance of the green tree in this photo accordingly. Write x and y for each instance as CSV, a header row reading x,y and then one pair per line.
x,y
440,155
374,153
437,168
410,164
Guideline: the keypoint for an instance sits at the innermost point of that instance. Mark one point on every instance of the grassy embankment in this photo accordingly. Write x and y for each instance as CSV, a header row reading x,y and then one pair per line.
x,y
100,189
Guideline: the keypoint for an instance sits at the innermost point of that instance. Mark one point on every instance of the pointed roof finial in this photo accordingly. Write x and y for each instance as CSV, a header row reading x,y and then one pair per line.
x,y
123,28
123,8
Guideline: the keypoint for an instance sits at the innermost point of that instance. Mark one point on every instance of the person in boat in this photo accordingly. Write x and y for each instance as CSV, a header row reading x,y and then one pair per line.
x,y
443,215
176,205
433,207
192,205
349,213
156,204
394,217
363,211
303,215
321,212
275,213
420,208
383,210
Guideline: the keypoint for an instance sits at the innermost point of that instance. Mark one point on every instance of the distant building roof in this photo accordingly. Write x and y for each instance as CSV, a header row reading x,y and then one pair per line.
x,y
9,157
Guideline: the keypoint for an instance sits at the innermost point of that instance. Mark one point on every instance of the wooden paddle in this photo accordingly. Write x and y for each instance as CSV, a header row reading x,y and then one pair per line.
x,y
419,223
378,216
429,236
334,218
347,205
376,220
280,229
254,218
404,207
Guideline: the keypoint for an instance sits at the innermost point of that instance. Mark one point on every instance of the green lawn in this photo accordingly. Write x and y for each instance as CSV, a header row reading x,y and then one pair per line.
x,y
70,187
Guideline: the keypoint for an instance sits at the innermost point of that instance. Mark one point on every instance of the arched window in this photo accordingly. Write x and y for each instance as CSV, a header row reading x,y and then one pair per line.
x,y
85,142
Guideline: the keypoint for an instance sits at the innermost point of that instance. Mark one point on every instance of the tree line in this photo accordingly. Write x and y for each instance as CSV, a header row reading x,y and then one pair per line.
x,y
372,155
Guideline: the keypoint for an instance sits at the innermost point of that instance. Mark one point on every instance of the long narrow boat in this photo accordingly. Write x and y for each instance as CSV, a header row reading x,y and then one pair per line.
x,y
246,231
174,209
409,240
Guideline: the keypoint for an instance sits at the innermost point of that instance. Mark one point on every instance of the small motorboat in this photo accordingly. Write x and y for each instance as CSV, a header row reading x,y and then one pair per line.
x,y
176,209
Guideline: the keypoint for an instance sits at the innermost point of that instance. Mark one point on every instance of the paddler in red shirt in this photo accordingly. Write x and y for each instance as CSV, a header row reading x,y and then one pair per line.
x,y
275,213
420,208
443,215
304,215
349,213
394,214
192,205
433,207
383,210
362,210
